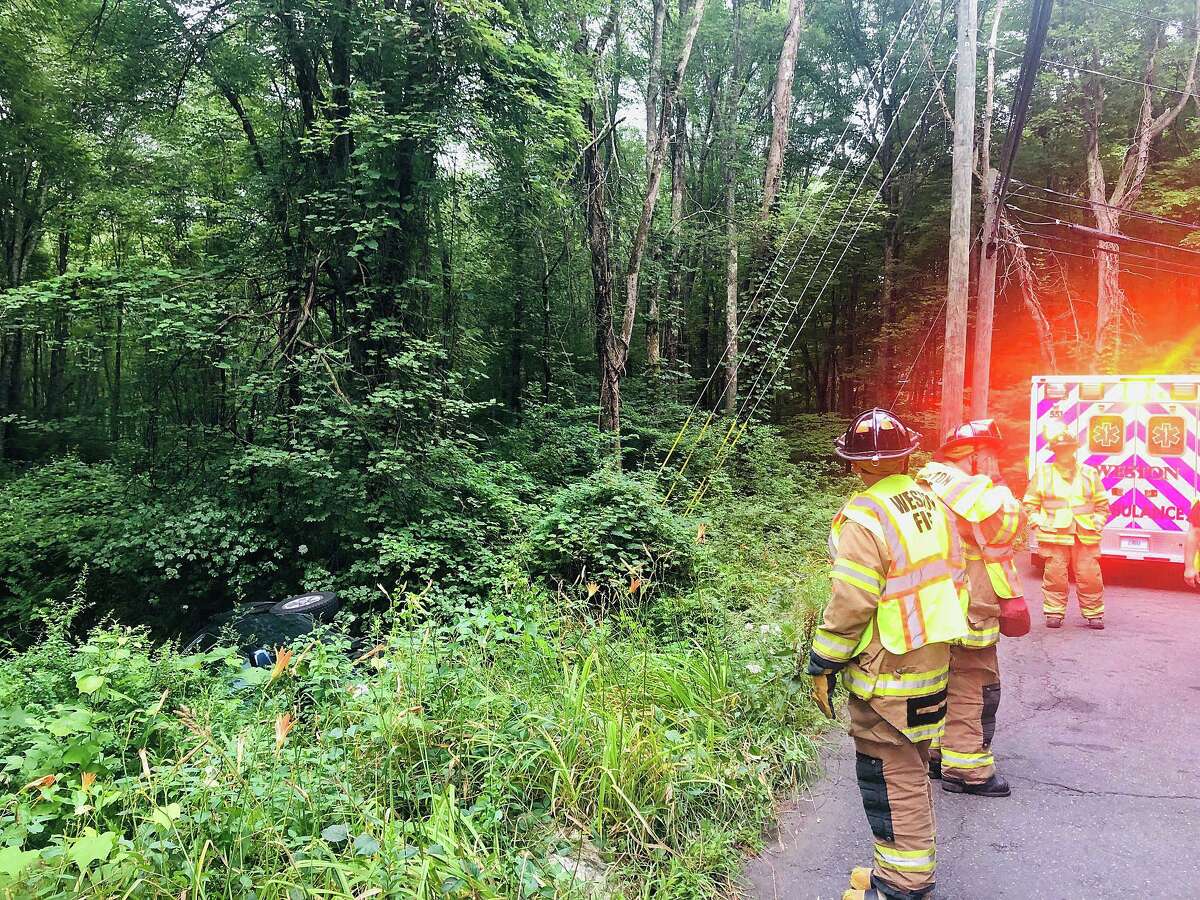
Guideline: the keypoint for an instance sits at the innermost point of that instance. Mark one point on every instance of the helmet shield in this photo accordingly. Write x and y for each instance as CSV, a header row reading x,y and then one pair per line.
x,y
875,435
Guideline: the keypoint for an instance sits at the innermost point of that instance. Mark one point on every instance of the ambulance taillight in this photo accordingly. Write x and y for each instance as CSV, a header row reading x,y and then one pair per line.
x,y
1056,391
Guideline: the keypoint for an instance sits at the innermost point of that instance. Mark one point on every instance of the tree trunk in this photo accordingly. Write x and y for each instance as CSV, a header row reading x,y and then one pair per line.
x,y
731,297
678,183
1108,208
608,362
545,289
115,408
653,78
733,96
985,306
781,106
449,297
638,248
520,284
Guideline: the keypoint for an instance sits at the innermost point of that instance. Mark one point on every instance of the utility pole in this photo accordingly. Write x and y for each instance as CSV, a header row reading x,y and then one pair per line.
x,y
995,183
985,303
954,360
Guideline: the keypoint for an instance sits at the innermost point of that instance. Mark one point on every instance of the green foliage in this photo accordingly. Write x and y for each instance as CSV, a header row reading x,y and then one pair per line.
x,y
499,760
54,521
610,534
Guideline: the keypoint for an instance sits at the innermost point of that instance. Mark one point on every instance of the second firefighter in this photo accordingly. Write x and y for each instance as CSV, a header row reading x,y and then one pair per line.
x,y
989,520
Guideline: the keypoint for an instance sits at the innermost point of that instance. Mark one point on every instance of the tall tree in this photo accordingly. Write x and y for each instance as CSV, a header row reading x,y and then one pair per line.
x,y
1109,205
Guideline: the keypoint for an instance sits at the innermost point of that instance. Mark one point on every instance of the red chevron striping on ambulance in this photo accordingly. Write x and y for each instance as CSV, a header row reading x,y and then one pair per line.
x,y
1143,433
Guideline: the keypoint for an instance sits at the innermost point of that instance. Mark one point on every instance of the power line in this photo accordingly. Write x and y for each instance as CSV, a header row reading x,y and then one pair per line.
x,y
1152,217
1134,268
783,244
748,409
1107,237
830,194
1191,29
1114,77
1151,260
920,351
1110,238
1035,42
1123,256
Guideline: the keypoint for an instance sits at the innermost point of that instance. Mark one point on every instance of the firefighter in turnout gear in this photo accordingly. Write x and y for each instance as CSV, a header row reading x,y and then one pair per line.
x,y
1067,503
898,600
988,519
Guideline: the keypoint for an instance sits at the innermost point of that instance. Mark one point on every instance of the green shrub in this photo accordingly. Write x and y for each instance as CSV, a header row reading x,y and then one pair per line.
x,y
54,520
612,532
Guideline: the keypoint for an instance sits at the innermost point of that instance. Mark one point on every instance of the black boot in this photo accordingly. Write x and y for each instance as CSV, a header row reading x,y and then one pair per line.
x,y
935,770
995,786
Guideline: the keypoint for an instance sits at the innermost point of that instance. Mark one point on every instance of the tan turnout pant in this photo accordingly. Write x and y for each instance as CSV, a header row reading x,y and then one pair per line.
x,y
1084,559
972,699
897,798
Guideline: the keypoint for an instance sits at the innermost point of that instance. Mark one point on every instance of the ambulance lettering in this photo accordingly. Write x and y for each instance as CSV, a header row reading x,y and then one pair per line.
x,y
1174,513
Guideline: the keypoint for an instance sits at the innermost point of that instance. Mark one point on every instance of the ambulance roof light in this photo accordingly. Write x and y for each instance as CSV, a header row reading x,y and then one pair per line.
x,y
1091,391
1187,391
1056,391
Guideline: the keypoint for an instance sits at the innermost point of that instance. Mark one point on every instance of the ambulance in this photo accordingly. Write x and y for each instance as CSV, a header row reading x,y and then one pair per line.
x,y
1143,433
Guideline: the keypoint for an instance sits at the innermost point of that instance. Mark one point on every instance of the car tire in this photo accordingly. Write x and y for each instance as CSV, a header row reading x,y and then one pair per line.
x,y
318,604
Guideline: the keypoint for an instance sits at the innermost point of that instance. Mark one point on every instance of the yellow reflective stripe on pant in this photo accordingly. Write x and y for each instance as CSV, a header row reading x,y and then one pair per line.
x,y
981,637
952,759
833,646
905,860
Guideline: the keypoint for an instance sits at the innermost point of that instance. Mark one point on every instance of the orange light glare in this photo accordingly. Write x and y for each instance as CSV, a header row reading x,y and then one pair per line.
x,y
1183,391
1136,391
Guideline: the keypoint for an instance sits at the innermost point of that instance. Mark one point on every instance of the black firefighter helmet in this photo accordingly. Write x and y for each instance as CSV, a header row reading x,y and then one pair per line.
x,y
875,435
970,437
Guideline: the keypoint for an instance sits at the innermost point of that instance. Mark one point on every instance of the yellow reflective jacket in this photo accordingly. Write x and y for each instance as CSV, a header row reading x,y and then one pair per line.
x,y
989,521
898,600
1065,508
919,596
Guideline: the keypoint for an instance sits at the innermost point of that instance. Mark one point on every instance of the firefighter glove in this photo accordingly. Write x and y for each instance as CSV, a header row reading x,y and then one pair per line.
x,y
822,692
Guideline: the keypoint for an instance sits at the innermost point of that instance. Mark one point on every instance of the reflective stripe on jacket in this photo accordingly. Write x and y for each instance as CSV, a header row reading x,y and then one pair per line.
x,y
920,596
989,520
907,690
1065,508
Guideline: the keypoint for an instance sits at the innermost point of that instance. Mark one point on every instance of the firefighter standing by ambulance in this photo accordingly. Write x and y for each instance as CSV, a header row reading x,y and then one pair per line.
x,y
1067,503
1191,548
989,519
897,600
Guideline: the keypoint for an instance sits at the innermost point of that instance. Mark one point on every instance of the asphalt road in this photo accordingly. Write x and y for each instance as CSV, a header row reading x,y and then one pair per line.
x,y
1099,735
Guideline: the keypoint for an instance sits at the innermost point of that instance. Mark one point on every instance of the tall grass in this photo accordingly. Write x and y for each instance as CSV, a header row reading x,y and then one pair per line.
x,y
562,755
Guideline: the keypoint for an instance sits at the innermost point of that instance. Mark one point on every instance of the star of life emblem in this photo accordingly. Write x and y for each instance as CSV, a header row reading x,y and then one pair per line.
x,y
1105,434
1167,435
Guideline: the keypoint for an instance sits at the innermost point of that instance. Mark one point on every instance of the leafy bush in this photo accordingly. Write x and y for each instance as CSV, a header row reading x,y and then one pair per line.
x,y
54,520
612,533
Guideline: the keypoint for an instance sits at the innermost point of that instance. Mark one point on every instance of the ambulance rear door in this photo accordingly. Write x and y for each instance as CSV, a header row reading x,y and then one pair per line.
x,y
1107,434
1164,463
